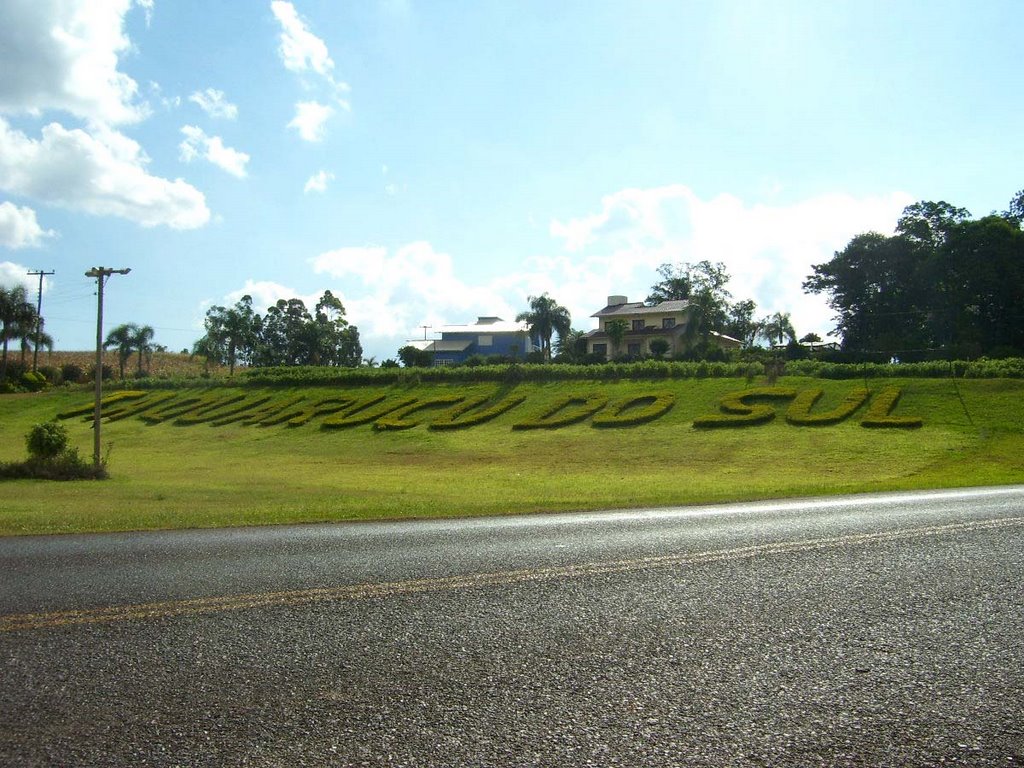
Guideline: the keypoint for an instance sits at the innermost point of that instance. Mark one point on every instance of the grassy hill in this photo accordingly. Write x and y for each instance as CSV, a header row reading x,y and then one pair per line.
x,y
188,457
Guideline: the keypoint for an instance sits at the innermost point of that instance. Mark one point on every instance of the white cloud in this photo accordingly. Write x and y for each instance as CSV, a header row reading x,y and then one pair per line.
x,y
213,103
266,293
318,182
198,144
12,274
63,54
102,173
19,227
310,119
300,49
768,250
304,53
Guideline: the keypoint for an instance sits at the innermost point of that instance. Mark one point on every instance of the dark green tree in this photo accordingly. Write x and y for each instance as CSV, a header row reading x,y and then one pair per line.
x,y
616,330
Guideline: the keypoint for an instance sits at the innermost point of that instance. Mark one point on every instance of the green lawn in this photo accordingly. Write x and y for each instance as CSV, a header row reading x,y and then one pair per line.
x,y
170,476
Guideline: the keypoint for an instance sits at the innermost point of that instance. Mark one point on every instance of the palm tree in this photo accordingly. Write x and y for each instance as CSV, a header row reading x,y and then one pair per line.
x,y
545,318
15,313
122,337
141,341
777,328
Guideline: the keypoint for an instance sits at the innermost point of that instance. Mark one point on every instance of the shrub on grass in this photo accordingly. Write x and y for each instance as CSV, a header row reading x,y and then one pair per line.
x,y
365,413
571,409
465,415
799,412
323,407
50,457
401,417
116,397
879,413
636,410
739,411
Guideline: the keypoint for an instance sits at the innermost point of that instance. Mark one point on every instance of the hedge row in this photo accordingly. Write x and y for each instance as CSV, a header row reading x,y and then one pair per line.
x,y
402,418
738,412
799,412
879,413
636,410
571,409
465,414
116,397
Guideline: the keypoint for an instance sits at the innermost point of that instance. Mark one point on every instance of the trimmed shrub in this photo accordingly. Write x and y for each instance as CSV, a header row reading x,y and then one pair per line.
x,y
278,413
636,410
566,410
737,411
177,406
50,458
400,418
365,413
464,415
323,407
239,411
212,410
879,412
116,397
33,381
799,412
128,408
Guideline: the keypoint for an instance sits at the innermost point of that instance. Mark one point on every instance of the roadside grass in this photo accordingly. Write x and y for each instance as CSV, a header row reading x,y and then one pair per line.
x,y
170,476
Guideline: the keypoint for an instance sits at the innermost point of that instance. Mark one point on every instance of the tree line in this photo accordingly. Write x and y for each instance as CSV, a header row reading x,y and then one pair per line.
x,y
943,285
287,334
21,323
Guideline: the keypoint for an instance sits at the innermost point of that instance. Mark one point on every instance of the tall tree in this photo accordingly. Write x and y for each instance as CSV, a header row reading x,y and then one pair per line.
x,y
616,330
572,347
123,338
703,284
777,328
230,334
740,322
15,313
545,318
143,343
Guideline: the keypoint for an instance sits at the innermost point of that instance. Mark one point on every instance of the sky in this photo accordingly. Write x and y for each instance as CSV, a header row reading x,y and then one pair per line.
x,y
432,162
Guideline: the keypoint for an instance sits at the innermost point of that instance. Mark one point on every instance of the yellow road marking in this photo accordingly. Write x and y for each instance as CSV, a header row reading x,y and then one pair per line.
x,y
14,622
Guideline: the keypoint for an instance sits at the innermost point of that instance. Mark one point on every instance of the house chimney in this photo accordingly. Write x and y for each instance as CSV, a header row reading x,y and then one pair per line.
x,y
614,301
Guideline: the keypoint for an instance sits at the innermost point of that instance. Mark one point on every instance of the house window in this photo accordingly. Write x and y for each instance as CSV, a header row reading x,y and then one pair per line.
x,y
638,325
443,361
668,322
601,349
485,341
633,350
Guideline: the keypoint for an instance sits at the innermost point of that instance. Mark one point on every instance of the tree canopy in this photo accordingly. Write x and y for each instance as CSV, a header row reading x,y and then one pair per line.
x,y
288,334
942,284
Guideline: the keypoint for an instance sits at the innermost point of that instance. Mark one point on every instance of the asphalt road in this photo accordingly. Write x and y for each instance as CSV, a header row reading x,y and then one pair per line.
x,y
869,630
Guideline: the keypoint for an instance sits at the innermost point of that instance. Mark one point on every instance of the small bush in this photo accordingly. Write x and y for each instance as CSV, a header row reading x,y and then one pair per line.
x,y
72,373
52,374
33,381
47,440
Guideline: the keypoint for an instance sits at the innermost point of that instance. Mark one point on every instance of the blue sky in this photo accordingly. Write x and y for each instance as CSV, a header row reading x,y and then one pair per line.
x,y
429,162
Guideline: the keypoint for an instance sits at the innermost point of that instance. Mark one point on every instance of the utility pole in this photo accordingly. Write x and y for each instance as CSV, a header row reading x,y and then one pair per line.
x,y
101,274
39,315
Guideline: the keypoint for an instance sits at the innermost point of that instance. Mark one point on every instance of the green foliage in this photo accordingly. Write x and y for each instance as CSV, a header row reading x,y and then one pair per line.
x,y
47,440
879,413
367,411
401,418
116,397
71,373
412,357
466,415
799,412
567,410
741,409
545,318
33,381
209,408
324,407
638,409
